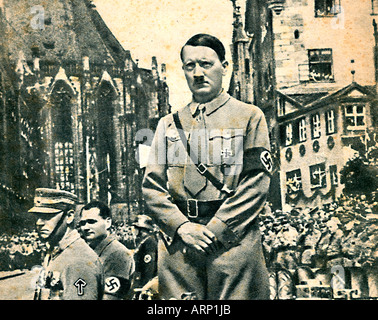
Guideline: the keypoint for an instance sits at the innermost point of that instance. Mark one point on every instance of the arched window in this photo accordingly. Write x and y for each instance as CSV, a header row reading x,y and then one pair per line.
x,y
106,154
63,137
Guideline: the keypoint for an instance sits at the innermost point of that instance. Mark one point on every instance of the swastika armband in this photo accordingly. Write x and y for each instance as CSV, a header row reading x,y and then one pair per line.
x,y
257,159
112,285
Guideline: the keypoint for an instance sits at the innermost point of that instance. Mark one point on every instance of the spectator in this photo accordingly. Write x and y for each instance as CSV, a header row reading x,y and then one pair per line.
x,y
146,251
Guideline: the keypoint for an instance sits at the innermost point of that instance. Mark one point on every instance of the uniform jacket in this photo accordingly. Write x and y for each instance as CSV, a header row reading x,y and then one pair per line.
x,y
233,126
70,261
118,265
146,261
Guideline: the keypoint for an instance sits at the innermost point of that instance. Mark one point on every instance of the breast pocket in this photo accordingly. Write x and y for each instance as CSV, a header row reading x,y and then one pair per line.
x,y
226,150
176,153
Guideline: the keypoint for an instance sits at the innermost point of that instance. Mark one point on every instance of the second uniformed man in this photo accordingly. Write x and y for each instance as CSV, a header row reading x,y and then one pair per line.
x,y
207,200
145,253
118,261
71,269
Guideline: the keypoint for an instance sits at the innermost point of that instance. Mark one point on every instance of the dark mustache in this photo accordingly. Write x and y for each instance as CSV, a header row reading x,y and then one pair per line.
x,y
199,80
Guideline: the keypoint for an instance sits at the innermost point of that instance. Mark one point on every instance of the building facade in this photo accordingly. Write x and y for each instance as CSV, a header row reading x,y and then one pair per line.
x,y
253,79
323,57
317,140
72,102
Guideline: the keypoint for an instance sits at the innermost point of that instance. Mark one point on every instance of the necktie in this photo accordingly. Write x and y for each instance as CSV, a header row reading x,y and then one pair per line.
x,y
194,182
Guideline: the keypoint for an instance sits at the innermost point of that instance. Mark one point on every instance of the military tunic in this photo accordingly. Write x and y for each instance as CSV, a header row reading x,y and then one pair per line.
x,y
146,261
237,146
70,266
119,267
330,246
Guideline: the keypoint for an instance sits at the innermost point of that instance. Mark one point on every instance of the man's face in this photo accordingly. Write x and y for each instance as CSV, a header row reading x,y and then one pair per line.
x,y
203,72
92,225
47,223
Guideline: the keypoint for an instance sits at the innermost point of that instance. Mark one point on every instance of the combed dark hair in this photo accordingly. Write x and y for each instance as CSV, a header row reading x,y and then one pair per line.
x,y
104,209
206,40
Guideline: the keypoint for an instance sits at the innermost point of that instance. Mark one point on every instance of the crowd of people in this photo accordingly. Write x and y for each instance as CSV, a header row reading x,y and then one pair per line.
x,y
308,233
300,243
20,251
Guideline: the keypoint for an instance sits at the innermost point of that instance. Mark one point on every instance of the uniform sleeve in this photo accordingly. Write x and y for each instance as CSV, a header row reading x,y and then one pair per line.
x,y
91,276
146,261
155,186
118,273
119,264
239,211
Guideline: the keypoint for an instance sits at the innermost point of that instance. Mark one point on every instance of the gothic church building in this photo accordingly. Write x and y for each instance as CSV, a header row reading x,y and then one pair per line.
x,y
71,102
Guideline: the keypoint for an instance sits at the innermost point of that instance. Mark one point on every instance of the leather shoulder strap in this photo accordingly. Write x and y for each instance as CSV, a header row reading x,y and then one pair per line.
x,y
202,169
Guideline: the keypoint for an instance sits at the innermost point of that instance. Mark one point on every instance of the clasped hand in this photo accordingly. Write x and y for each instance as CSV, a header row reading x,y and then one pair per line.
x,y
196,236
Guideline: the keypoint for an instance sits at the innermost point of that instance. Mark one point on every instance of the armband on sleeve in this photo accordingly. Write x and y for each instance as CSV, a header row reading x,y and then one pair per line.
x,y
257,159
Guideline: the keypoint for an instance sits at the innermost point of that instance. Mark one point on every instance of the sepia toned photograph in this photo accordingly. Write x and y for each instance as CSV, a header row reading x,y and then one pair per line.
x,y
188,150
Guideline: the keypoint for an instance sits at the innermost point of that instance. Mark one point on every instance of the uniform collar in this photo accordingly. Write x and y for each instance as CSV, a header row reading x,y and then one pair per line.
x,y
211,106
66,241
99,249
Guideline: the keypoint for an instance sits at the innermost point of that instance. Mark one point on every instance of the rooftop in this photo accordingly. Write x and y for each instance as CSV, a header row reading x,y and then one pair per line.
x,y
59,30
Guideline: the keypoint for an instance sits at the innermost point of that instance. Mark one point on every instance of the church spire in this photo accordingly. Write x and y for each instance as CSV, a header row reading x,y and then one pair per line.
x,y
239,34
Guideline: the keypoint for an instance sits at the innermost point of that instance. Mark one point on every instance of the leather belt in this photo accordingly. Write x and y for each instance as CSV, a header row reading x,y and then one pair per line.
x,y
194,208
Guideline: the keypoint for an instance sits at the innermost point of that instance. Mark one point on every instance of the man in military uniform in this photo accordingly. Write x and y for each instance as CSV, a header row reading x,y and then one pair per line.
x,y
286,251
285,260
146,251
118,261
329,250
71,269
330,243
209,206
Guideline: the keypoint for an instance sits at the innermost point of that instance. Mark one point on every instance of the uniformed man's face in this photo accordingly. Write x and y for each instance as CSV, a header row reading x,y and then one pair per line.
x,y
47,223
203,72
92,225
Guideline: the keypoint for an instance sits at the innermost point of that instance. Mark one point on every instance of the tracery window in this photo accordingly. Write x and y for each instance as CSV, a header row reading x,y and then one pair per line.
x,y
63,138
